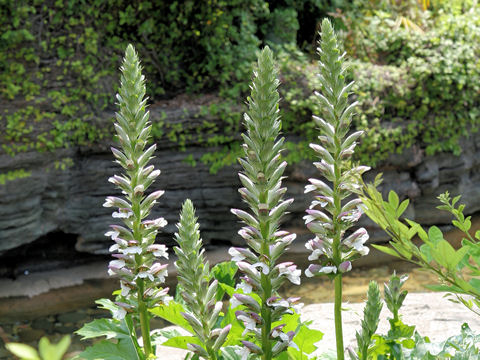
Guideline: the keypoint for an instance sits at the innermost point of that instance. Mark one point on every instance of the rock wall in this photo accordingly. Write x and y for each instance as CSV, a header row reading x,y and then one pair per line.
x,y
70,200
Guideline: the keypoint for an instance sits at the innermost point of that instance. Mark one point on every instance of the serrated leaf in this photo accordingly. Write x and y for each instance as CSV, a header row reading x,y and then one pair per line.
x,y
172,313
306,339
109,328
224,272
24,352
106,350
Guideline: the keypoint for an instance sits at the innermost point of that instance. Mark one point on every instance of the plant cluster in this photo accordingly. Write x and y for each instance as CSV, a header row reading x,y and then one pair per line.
x,y
413,62
257,323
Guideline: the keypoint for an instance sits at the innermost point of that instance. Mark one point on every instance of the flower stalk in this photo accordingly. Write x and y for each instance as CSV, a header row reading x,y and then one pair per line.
x,y
334,210
198,291
136,254
262,190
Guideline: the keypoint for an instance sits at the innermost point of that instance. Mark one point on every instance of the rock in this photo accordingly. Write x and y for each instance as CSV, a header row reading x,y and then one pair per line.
x,y
70,201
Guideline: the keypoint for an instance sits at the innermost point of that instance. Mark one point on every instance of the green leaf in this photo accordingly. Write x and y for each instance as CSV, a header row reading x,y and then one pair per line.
x,y
181,341
305,340
172,313
224,272
24,352
403,206
393,199
50,351
402,250
104,327
386,250
445,255
106,350
435,235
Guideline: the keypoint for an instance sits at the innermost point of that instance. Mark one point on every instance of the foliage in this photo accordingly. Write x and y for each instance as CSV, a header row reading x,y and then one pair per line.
x,y
46,350
458,270
13,175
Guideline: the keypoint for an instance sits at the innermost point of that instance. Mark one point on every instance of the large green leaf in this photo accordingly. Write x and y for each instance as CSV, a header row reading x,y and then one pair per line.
x,y
305,339
106,350
172,313
104,327
224,272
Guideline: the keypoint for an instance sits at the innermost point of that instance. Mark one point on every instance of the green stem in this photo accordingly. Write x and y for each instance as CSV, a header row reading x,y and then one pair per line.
x,y
338,317
144,320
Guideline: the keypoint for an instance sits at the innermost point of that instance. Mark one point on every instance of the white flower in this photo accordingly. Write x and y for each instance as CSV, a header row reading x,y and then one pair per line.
x,y
158,223
234,302
243,352
356,241
131,250
291,272
113,248
159,250
112,234
298,307
250,324
122,214
125,288
119,313
235,254
328,270
263,266
315,255
247,288
145,274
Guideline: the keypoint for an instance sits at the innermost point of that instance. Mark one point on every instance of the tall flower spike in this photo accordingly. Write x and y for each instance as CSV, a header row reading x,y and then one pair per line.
x,y
334,211
261,177
199,291
137,256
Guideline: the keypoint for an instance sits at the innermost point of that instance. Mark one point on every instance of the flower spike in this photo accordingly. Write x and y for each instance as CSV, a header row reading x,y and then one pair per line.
x,y
262,180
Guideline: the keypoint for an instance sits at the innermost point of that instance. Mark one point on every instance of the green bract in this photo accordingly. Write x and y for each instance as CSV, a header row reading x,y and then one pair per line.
x,y
197,289
334,211
141,274
262,180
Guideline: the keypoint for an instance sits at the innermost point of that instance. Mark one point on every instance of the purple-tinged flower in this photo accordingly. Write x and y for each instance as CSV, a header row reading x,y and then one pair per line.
x,y
197,349
345,266
122,214
290,271
155,223
243,352
245,287
247,301
312,270
158,250
276,301
264,268
252,347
